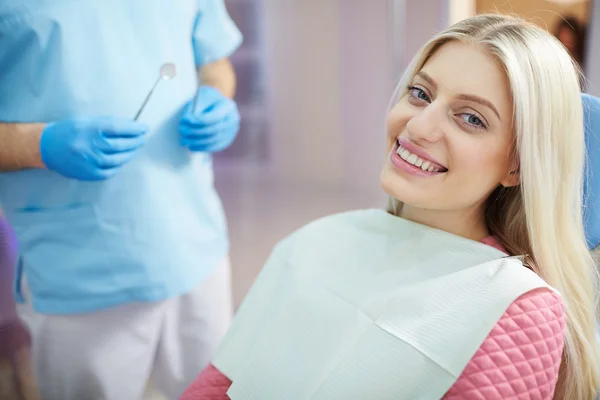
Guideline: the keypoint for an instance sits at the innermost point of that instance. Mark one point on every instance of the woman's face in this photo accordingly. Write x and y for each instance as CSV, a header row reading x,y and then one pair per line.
x,y
449,137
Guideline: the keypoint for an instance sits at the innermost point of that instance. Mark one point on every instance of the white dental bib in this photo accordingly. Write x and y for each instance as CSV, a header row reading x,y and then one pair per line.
x,y
365,305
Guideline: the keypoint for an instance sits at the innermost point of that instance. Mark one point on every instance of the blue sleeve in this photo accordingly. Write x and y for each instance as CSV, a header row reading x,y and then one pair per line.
x,y
215,35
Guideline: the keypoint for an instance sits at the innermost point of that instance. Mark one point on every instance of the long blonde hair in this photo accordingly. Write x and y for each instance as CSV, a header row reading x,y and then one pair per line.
x,y
542,217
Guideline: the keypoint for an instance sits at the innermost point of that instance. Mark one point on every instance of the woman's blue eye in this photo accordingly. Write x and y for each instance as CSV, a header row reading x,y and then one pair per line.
x,y
418,93
473,119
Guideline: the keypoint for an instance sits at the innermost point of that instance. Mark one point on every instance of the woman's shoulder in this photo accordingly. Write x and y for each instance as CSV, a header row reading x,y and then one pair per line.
x,y
521,356
541,310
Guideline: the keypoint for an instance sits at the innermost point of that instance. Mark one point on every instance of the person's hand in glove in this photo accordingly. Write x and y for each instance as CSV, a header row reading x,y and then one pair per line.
x,y
212,125
91,148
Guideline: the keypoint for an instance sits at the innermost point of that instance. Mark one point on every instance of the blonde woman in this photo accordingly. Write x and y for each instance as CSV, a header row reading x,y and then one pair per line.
x,y
424,301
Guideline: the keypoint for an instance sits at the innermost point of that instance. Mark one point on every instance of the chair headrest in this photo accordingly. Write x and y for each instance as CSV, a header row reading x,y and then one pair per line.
x,y
591,202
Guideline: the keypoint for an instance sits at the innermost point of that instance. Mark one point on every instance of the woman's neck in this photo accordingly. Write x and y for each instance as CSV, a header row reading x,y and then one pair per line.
x,y
466,223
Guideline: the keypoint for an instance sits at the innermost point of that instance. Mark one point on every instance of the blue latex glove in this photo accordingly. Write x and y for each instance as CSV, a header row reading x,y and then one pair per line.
x,y
212,125
91,148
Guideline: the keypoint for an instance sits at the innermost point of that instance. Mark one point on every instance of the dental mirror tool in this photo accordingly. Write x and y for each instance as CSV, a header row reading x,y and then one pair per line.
x,y
167,71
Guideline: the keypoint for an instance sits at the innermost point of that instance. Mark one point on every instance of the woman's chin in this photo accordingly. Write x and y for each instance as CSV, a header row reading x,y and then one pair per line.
x,y
395,186
405,190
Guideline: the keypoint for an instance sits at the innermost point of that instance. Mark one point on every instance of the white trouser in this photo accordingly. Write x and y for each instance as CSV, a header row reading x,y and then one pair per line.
x,y
112,354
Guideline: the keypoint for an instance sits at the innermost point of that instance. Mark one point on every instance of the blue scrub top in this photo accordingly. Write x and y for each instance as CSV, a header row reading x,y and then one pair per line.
x,y
156,229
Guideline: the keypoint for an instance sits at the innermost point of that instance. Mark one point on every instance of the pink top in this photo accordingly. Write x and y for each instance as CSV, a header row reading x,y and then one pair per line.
x,y
518,360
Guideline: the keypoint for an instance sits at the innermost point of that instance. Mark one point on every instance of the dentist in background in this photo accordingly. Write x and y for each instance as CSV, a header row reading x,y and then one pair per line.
x,y
122,270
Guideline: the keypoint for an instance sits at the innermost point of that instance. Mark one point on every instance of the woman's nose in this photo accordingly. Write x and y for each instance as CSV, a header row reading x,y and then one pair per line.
x,y
428,123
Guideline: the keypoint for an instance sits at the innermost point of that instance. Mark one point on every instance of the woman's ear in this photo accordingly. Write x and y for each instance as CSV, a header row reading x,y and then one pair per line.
x,y
512,179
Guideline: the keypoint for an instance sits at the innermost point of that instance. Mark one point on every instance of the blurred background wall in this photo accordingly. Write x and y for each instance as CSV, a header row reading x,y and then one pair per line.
x,y
592,49
326,75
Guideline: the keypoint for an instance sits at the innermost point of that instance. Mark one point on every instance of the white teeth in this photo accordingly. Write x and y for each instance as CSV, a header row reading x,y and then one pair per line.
x,y
415,160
